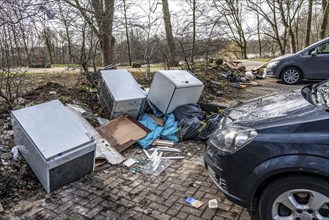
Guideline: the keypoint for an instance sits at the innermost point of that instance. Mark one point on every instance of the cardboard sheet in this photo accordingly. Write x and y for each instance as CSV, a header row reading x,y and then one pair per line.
x,y
123,132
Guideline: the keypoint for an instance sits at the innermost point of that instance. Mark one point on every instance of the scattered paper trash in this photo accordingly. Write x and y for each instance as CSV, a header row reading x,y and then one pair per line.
x,y
213,204
129,162
192,201
15,153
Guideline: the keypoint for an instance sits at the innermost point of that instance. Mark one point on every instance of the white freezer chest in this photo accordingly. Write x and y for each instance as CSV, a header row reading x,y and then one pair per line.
x,y
54,142
173,88
120,94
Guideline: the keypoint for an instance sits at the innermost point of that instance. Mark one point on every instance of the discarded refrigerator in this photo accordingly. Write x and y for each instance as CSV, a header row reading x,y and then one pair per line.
x,y
120,94
54,143
173,88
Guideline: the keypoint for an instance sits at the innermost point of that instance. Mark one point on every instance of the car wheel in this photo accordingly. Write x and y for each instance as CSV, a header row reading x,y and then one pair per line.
x,y
291,75
295,197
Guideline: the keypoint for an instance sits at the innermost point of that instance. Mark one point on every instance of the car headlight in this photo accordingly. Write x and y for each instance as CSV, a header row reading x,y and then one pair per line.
x,y
273,63
232,138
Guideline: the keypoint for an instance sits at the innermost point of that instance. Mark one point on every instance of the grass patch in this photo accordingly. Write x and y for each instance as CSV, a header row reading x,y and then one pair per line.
x,y
262,60
65,65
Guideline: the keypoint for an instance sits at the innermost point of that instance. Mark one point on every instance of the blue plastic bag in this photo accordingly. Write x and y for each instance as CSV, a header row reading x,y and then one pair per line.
x,y
168,131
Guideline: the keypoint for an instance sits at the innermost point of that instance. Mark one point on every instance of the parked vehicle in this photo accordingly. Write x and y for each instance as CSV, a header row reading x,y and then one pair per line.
x,y
271,155
309,63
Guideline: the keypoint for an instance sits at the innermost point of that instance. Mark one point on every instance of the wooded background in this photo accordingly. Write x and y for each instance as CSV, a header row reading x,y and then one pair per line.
x,y
103,32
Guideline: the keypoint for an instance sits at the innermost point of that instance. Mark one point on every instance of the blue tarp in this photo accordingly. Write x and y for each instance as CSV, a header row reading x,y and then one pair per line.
x,y
167,132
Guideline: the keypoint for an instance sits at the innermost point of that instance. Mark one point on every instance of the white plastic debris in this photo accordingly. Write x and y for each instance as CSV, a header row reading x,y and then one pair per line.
x,y
15,153
213,204
129,162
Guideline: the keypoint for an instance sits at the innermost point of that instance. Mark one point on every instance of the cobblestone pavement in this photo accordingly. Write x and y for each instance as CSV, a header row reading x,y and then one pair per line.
x,y
115,193
269,86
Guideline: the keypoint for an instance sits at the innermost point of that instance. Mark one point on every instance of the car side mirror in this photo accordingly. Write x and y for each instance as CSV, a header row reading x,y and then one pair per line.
x,y
314,52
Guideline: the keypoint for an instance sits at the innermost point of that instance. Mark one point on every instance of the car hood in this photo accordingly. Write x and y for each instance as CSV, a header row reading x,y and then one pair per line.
x,y
283,57
271,109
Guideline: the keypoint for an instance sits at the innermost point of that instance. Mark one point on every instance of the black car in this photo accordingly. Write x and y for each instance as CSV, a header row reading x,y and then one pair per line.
x,y
309,63
271,155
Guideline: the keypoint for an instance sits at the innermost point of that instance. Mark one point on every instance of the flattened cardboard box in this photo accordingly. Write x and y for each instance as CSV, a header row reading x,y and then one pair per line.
x,y
123,132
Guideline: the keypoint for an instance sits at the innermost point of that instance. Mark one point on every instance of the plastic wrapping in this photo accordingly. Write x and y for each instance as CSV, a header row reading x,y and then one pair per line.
x,y
188,111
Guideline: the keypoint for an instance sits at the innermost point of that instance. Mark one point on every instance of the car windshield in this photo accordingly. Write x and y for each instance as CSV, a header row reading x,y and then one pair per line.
x,y
320,95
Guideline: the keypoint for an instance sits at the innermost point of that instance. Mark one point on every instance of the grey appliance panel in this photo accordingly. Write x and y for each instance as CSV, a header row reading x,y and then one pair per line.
x,y
120,94
71,171
122,85
181,78
182,96
52,128
170,89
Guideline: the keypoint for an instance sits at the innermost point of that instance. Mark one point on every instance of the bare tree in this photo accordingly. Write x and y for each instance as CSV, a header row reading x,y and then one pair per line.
x,y
232,11
324,24
100,19
125,8
268,10
288,11
169,34
309,22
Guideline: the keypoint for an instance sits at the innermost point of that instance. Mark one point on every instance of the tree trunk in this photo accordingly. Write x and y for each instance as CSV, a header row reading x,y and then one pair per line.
x,y
324,24
309,22
194,31
127,34
169,35
48,44
107,41
103,13
258,35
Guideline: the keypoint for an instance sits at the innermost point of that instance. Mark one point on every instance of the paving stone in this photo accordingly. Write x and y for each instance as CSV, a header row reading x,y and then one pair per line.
x,y
160,215
182,215
224,207
61,216
80,209
75,216
192,217
157,206
244,215
171,200
63,207
92,213
208,213
191,210
110,215
167,193
93,203
174,209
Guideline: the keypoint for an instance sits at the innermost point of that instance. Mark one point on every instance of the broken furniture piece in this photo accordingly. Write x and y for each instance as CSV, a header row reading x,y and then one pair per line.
x,y
122,132
120,94
161,142
173,88
54,143
260,71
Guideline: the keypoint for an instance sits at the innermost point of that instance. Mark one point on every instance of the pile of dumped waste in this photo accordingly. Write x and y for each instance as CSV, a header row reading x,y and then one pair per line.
x,y
64,134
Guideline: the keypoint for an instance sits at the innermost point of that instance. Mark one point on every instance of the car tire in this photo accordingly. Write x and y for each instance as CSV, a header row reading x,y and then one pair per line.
x,y
295,197
291,75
